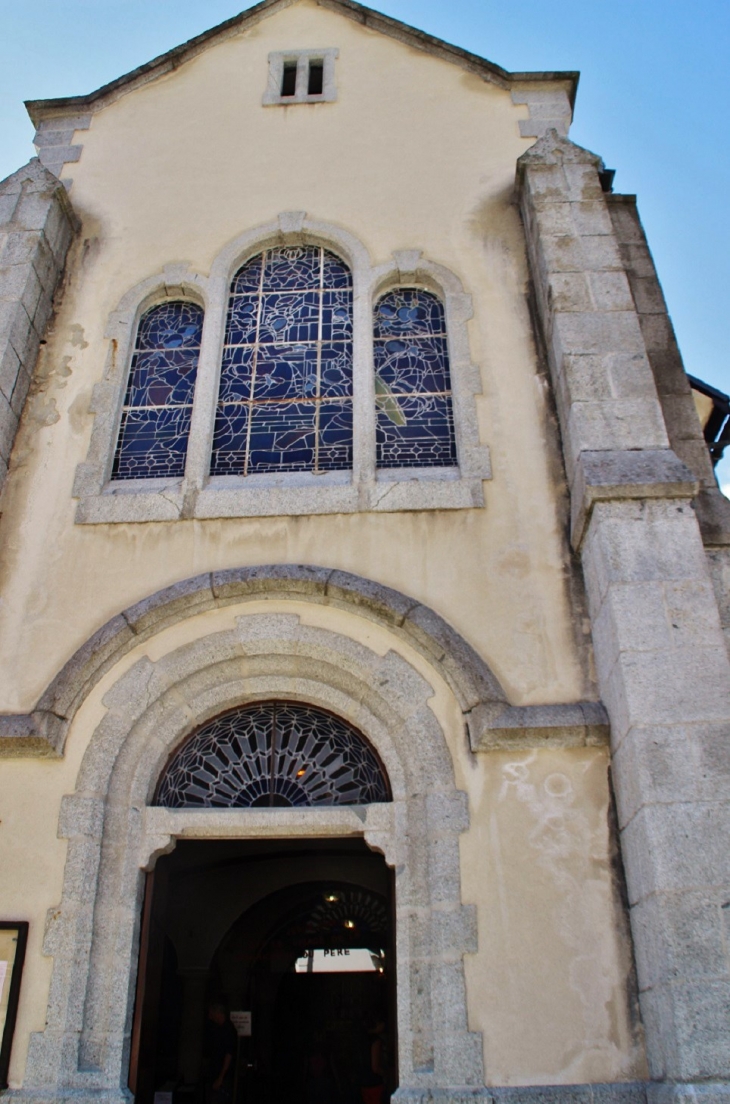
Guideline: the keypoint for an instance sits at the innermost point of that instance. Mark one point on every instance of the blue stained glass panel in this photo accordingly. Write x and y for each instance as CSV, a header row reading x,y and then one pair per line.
x,y
248,278
336,315
230,441
287,355
161,378
242,319
282,437
153,436
418,364
237,374
422,435
289,317
155,443
171,326
286,372
336,273
292,268
335,436
415,424
409,312
336,371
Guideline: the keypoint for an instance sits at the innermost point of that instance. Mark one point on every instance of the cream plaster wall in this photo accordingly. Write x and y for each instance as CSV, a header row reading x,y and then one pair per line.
x,y
548,984
550,987
416,153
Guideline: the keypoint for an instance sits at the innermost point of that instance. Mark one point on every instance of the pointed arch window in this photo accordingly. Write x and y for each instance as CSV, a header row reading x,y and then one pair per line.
x,y
415,420
274,753
285,399
158,404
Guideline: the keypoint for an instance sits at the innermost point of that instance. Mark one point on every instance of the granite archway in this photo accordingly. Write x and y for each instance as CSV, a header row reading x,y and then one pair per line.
x,y
115,834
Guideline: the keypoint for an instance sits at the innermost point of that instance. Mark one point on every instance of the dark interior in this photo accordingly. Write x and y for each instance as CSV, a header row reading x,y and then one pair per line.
x,y
229,920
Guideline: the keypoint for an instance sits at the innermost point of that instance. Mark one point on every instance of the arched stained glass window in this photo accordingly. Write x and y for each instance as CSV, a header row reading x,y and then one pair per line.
x,y
285,400
153,436
415,421
273,754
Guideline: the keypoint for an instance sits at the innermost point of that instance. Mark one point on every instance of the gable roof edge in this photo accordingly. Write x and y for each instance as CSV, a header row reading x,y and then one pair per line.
x,y
385,24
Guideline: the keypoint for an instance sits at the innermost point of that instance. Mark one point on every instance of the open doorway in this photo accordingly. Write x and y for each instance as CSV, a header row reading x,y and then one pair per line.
x,y
295,938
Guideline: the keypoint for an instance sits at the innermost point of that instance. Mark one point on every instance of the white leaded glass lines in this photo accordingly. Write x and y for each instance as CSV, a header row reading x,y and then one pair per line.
x,y
153,436
415,421
273,754
285,399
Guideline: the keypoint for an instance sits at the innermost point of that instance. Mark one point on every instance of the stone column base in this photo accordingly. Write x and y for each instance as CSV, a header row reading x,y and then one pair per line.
x,y
705,1092
68,1096
617,1092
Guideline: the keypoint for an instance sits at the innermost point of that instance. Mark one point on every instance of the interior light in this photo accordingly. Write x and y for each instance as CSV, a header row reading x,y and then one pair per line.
x,y
331,898
302,772
350,924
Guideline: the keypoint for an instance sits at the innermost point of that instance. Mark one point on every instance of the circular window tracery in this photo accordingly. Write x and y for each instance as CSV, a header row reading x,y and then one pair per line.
x,y
273,754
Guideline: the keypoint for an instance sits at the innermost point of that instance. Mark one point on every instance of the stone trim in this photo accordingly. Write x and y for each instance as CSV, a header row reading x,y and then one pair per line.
x,y
490,720
673,387
113,836
582,724
277,60
617,1092
200,495
549,108
37,225
644,473
54,141
614,437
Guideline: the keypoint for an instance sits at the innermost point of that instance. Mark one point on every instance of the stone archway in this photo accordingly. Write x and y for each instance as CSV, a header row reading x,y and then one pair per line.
x,y
115,835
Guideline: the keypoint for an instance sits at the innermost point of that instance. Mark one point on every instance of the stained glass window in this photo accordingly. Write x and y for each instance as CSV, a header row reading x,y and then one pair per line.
x,y
285,400
153,437
415,421
273,754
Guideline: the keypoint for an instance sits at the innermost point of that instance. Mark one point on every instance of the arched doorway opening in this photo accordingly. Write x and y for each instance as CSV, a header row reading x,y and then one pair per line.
x,y
294,938
306,968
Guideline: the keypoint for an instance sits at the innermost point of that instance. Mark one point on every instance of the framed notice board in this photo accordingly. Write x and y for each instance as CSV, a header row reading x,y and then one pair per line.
x,y
13,938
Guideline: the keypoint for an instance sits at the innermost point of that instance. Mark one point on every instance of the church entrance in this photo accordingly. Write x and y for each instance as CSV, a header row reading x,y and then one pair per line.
x,y
289,941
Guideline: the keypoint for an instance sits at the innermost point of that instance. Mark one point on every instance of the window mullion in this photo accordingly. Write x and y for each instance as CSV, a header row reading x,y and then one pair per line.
x,y
205,400
254,364
318,384
302,77
363,385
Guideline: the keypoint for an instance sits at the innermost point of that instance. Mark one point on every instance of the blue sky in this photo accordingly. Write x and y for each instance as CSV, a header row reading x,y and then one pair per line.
x,y
654,84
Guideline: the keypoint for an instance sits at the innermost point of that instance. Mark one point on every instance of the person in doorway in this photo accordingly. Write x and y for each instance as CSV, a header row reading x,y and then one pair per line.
x,y
372,1085
221,1044
320,1076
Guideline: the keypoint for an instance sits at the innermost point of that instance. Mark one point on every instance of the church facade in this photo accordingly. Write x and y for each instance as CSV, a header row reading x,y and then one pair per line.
x,y
364,591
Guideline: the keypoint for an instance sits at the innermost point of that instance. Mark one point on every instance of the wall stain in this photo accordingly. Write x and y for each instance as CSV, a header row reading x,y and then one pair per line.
x,y
77,336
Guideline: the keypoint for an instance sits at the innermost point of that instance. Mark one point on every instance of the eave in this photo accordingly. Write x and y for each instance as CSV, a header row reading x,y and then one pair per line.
x,y
376,21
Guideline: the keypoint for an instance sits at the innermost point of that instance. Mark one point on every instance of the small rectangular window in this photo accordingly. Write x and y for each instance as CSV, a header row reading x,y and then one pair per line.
x,y
289,79
315,85
301,76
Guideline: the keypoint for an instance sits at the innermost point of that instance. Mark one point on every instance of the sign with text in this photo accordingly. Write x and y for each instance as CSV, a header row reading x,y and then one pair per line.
x,y
344,960
242,1023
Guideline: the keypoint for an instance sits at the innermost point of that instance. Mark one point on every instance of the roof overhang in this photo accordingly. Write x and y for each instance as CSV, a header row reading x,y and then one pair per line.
x,y
376,21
